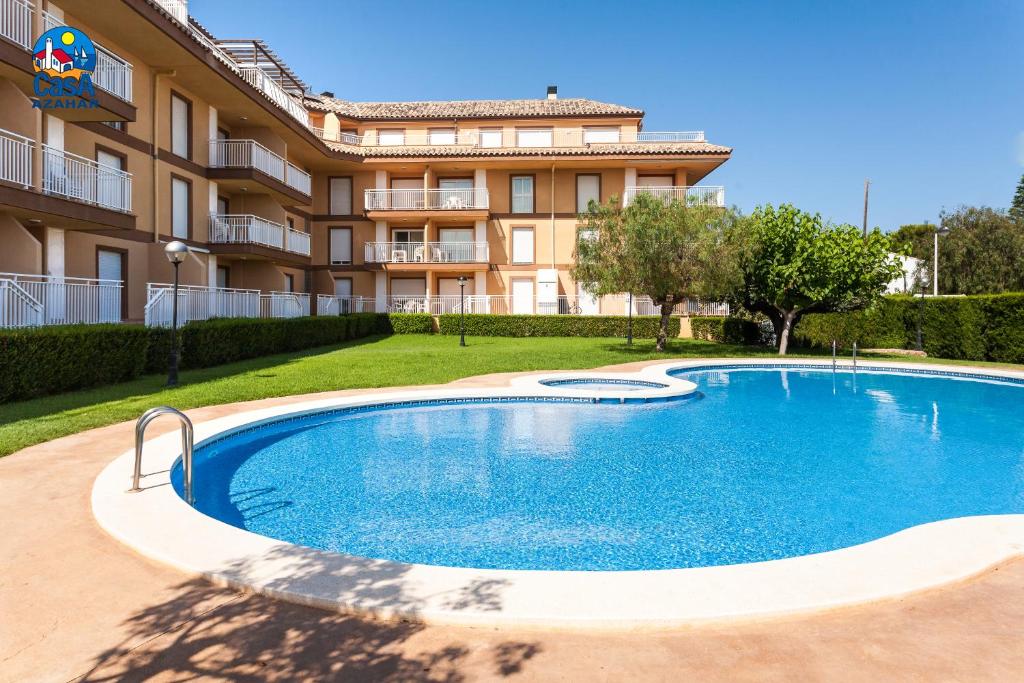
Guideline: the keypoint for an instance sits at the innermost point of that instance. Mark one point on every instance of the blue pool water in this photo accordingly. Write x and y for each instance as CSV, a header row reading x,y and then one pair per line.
x,y
764,464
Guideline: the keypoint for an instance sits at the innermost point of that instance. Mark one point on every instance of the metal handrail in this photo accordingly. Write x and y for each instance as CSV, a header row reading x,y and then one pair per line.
x,y
186,446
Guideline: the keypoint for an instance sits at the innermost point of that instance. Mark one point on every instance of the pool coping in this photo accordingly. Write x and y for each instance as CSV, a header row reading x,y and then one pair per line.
x,y
912,560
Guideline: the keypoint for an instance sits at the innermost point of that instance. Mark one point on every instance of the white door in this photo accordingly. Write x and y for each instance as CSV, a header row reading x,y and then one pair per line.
x,y
343,290
522,295
587,301
110,266
448,288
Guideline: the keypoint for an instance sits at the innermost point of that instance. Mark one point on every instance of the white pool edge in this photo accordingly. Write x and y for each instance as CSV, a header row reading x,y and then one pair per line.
x,y
160,525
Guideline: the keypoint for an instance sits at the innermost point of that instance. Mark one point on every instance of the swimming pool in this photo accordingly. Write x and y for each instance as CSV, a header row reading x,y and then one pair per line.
x,y
765,463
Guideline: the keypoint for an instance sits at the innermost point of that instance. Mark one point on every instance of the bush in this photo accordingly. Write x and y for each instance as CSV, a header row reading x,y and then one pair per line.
x,y
1004,328
48,360
488,325
726,330
884,326
407,323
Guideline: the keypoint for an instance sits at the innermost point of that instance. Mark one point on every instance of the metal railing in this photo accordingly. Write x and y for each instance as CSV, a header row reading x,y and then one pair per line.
x,y
431,252
297,241
84,180
32,300
563,304
16,158
112,73
327,304
16,22
284,305
694,195
199,303
510,137
187,443
246,229
259,79
251,154
427,199
178,9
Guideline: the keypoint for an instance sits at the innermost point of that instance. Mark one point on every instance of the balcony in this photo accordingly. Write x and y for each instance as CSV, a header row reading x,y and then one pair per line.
x,y
695,195
33,300
329,304
248,229
511,138
284,305
112,73
248,155
16,158
430,252
463,199
84,180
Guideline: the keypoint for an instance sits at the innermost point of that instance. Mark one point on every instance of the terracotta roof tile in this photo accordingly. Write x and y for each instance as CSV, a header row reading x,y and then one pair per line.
x,y
467,109
655,148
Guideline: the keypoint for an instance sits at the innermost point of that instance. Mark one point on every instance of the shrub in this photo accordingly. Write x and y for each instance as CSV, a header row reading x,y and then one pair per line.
x,y
407,323
726,330
884,326
1004,328
47,360
488,325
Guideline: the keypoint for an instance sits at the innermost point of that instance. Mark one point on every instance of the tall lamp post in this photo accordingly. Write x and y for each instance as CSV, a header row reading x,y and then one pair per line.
x,y
462,280
175,252
935,261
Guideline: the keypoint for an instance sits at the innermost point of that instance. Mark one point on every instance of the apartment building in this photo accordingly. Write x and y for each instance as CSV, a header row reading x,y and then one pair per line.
x,y
292,203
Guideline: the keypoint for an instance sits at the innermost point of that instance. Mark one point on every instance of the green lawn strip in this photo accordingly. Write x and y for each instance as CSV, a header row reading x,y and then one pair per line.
x,y
397,360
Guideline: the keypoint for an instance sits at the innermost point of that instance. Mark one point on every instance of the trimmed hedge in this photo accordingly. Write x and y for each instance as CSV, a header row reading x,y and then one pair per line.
x,y
48,360
490,325
984,327
726,330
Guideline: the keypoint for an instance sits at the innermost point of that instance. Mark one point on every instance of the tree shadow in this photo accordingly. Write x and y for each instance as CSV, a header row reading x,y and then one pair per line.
x,y
207,632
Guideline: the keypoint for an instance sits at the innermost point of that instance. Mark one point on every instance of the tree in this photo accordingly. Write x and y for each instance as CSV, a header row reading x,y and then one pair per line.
x,y
793,264
982,253
667,251
1017,206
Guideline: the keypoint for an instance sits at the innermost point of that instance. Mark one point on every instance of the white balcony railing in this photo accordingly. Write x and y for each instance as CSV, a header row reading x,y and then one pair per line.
x,y
284,305
503,304
249,229
251,154
259,79
341,305
31,300
199,303
112,73
16,158
16,22
84,180
695,195
505,138
430,199
430,252
297,241
178,9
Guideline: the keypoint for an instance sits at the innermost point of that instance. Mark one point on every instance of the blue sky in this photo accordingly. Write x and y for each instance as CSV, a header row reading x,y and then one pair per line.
x,y
924,98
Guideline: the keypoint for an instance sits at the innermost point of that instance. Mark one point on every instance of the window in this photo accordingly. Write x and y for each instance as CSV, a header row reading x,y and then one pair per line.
x,y
522,245
456,193
223,276
340,246
110,186
394,136
654,181
116,125
223,206
110,265
343,286
533,137
522,194
291,223
588,187
600,134
407,193
414,237
289,282
181,127
341,196
181,207
490,137
442,136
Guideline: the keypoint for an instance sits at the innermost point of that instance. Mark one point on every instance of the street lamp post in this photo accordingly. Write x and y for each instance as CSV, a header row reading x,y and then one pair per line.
x,y
935,261
629,322
462,280
175,252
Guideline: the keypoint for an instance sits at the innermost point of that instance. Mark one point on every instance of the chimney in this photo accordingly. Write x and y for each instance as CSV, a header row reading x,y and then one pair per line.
x,y
552,92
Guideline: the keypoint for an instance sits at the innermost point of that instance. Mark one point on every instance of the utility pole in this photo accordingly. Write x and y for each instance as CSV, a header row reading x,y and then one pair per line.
x,y
867,183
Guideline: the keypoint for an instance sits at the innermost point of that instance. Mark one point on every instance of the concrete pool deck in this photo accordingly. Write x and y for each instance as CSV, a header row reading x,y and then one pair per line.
x,y
76,603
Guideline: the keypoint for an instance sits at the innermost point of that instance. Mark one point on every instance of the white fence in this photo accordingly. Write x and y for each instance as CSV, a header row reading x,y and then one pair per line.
x,y
259,79
177,9
694,195
430,199
251,154
503,138
31,300
431,252
284,305
614,304
113,74
249,229
84,180
340,305
199,303
16,22
16,158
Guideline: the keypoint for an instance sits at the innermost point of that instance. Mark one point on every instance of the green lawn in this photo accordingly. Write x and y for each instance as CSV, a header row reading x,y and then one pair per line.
x,y
374,362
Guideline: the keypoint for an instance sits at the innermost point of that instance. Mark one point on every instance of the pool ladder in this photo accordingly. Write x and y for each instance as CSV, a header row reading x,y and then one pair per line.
x,y
186,446
834,356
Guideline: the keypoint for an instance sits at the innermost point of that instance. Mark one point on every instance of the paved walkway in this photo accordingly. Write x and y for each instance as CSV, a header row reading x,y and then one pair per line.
x,y
76,605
